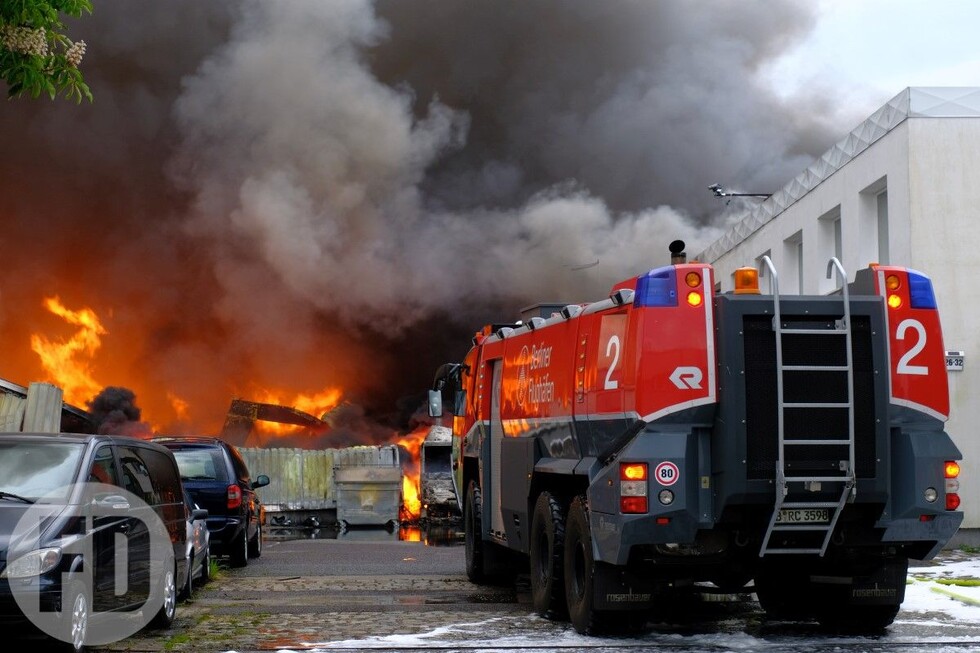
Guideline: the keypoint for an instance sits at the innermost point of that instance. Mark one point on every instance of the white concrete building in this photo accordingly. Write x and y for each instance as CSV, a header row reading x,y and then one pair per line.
x,y
903,189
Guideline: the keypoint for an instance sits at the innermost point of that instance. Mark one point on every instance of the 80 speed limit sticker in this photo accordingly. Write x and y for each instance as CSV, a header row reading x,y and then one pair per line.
x,y
666,473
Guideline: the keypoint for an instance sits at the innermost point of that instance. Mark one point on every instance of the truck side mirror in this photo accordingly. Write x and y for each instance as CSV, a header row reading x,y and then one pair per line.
x,y
435,403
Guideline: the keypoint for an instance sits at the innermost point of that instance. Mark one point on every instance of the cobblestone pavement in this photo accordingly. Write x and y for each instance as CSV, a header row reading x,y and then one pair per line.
x,y
250,610
298,595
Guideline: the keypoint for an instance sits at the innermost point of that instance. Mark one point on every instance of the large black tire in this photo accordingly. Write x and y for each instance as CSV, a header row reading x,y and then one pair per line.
x,y
785,592
473,534
238,555
164,617
579,569
548,558
255,546
580,572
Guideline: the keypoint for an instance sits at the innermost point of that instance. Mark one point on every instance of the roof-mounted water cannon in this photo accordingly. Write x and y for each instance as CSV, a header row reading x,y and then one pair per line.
x,y
677,253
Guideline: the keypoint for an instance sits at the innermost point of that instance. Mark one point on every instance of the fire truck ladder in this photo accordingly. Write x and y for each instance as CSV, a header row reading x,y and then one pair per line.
x,y
803,483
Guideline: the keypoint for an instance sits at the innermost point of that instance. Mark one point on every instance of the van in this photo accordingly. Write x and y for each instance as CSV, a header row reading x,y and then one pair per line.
x,y
92,535
217,478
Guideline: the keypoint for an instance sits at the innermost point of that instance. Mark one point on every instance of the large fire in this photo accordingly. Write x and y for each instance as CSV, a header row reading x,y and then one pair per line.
x,y
68,362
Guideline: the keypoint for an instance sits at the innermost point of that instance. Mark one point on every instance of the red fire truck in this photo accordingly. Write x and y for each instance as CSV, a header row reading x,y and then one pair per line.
x,y
671,435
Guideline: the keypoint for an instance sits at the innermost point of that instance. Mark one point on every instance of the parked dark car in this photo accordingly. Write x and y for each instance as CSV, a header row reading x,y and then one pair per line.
x,y
71,559
198,547
218,480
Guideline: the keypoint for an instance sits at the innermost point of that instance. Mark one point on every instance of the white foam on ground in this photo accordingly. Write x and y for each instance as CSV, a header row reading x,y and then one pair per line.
x,y
923,596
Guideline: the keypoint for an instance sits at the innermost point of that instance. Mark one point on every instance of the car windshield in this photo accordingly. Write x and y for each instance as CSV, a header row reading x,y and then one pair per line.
x,y
39,469
201,464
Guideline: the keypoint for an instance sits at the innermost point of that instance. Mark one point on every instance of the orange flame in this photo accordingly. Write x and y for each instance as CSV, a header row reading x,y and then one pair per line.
x,y
411,501
408,533
316,404
68,362
179,405
410,496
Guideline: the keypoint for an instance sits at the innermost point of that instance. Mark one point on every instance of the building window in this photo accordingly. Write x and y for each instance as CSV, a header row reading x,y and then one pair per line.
x,y
793,255
872,241
830,245
882,215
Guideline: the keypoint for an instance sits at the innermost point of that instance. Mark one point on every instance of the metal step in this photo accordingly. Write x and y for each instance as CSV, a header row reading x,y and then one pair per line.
x,y
817,479
807,504
815,332
840,443
816,404
814,368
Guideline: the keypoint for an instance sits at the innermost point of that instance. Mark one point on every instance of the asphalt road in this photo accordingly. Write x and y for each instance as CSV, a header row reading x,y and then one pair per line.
x,y
364,556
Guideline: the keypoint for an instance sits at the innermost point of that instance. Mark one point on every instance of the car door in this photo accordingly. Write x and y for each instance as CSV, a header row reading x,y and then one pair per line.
x,y
109,534
135,478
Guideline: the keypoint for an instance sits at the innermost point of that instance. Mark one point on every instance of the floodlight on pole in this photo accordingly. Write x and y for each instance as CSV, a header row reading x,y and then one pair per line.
x,y
720,191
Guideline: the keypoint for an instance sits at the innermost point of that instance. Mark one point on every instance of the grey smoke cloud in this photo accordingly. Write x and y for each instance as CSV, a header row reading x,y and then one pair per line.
x,y
434,155
279,191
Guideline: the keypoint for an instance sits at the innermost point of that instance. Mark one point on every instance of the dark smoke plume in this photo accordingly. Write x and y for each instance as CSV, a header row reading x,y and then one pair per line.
x,y
308,194
115,412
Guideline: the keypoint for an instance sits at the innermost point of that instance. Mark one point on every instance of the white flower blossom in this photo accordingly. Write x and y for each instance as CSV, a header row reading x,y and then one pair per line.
x,y
75,53
25,40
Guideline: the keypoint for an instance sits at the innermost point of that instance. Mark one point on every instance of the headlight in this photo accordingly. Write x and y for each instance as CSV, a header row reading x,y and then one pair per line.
x,y
33,564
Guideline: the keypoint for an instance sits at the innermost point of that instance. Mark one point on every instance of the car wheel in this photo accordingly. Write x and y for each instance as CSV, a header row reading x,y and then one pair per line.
x,y
255,546
165,615
239,550
75,610
206,566
188,585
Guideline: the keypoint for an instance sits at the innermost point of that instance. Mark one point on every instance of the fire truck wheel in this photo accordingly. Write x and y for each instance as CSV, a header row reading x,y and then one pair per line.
x,y
472,531
785,592
547,558
579,567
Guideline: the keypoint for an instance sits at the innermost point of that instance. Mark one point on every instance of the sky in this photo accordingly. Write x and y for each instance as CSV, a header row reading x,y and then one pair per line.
x,y
870,50
329,198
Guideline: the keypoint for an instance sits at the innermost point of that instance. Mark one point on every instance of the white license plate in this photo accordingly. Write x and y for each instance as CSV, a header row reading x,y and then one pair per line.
x,y
803,516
